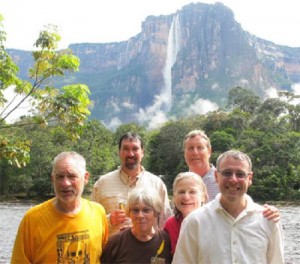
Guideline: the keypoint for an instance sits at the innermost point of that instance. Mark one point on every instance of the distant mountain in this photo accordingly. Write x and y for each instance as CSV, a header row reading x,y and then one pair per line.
x,y
178,65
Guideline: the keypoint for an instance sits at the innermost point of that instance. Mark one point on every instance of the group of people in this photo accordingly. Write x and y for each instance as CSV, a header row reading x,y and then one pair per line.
x,y
129,217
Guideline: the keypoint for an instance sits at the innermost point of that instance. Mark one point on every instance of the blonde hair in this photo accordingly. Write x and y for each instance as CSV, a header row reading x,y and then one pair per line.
x,y
195,133
199,182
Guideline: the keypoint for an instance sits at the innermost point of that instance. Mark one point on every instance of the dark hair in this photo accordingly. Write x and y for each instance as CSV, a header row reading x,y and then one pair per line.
x,y
131,136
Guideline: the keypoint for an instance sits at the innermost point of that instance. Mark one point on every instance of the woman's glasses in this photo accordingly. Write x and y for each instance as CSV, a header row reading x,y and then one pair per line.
x,y
145,211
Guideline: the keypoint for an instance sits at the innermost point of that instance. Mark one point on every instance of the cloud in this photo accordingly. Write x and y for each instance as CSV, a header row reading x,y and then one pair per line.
x,y
271,93
113,124
296,90
202,106
127,105
153,115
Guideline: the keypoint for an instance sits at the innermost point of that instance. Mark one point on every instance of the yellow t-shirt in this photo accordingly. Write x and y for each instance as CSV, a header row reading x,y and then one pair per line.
x,y
46,235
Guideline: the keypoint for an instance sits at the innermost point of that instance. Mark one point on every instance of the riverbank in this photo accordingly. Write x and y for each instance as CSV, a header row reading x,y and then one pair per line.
x,y
22,198
11,213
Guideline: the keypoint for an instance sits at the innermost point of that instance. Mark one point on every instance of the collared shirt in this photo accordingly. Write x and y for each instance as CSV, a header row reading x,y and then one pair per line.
x,y
210,182
210,235
112,189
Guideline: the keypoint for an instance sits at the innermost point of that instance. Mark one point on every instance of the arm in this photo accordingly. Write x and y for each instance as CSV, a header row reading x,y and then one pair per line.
x,y
275,253
20,252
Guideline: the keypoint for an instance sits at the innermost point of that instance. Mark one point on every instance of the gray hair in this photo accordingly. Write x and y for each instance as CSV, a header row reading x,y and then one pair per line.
x,y
80,161
235,154
148,196
195,133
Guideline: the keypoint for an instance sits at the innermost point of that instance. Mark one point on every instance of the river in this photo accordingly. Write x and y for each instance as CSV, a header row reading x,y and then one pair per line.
x,y
12,213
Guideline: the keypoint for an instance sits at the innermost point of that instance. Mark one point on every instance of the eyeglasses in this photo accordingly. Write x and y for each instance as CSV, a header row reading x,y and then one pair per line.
x,y
145,211
238,174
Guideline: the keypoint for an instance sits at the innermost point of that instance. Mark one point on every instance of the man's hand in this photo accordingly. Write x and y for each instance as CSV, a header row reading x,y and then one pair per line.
x,y
271,213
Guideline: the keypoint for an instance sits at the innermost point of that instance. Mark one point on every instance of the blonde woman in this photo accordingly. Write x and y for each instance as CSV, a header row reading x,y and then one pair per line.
x,y
189,193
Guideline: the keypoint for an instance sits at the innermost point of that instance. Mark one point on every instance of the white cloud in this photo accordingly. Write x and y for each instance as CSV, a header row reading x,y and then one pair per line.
x,y
202,106
152,115
127,105
113,124
271,93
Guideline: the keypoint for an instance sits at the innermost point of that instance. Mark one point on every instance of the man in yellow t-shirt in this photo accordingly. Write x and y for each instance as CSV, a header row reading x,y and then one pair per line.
x,y
66,228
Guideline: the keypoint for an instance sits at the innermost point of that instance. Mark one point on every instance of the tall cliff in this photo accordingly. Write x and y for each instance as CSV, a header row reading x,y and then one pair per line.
x,y
178,64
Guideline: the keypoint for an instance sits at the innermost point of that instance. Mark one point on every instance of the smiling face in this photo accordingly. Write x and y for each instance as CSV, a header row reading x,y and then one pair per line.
x,y
131,154
197,154
187,195
233,188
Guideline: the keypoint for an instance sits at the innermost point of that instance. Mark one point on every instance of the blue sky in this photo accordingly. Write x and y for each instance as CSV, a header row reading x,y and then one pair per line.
x,y
117,20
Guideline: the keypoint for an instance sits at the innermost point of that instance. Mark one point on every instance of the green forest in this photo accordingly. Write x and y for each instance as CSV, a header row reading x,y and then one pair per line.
x,y
267,130
268,133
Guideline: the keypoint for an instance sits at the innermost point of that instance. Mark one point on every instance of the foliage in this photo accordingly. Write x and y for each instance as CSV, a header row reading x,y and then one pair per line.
x,y
244,99
67,106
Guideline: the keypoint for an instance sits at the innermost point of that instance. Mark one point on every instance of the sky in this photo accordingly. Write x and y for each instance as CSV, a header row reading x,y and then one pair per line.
x,y
101,21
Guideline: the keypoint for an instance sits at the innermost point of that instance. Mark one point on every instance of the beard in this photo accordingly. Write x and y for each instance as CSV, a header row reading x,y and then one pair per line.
x,y
131,163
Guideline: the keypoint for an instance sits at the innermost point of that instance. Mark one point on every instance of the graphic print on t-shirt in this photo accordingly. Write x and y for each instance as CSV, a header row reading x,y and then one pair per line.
x,y
73,247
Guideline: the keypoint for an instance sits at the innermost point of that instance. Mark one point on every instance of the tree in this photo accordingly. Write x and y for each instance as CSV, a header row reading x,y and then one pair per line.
x,y
67,106
97,146
244,99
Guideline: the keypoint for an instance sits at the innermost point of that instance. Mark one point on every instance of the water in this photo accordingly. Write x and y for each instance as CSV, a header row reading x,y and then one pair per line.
x,y
12,213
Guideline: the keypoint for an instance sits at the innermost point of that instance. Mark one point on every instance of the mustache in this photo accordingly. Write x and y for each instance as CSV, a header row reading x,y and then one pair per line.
x,y
130,158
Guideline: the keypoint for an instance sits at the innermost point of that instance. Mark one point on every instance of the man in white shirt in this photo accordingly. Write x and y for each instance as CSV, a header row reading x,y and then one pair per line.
x,y
231,228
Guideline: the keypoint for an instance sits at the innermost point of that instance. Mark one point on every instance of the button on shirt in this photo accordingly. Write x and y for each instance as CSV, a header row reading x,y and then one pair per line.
x,y
211,235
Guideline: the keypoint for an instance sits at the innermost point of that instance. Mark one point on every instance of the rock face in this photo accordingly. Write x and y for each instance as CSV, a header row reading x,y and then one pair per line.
x,y
178,64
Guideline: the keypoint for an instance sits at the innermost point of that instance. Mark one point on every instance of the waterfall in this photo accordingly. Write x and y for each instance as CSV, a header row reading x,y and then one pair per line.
x,y
172,51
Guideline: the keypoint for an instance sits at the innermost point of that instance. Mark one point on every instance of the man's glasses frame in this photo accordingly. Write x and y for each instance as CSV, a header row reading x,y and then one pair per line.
x,y
238,174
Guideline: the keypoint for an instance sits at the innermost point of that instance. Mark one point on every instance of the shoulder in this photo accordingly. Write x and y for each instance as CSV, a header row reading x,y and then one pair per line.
x,y
120,236
170,221
202,212
39,208
93,206
107,177
152,177
164,233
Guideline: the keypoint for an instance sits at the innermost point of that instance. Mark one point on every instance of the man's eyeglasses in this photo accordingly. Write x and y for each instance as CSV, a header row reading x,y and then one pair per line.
x,y
238,174
145,211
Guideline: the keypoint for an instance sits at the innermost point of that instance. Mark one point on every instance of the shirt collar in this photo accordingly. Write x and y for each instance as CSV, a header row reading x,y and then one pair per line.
x,y
126,179
250,207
